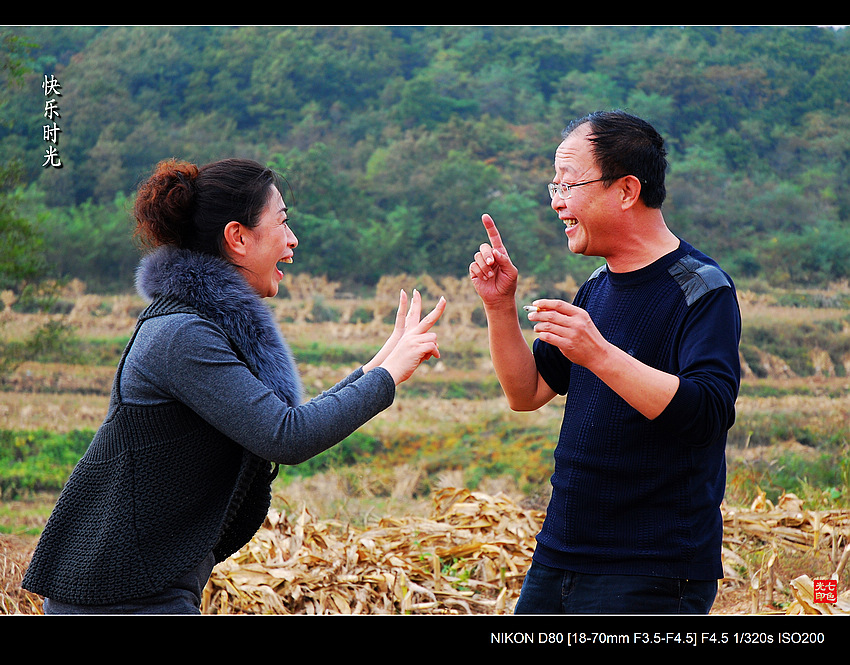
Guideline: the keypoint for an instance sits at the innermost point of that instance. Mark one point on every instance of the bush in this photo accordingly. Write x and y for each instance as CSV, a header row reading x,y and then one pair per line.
x,y
37,461
358,448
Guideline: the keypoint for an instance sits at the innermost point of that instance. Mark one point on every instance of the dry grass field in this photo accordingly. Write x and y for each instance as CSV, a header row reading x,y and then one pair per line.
x,y
455,462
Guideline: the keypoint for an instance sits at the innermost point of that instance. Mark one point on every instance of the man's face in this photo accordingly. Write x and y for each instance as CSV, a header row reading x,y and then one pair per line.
x,y
586,211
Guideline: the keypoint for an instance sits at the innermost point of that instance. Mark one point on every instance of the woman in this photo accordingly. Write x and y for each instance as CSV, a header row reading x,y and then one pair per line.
x,y
206,402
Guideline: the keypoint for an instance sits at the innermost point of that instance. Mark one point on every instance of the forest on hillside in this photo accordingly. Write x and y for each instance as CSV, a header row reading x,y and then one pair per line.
x,y
394,139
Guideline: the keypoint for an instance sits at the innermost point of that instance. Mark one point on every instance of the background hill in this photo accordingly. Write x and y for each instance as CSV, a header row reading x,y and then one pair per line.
x,y
395,139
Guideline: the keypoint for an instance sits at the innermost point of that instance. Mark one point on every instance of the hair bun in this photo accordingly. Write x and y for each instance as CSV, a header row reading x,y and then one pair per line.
x,y
165,203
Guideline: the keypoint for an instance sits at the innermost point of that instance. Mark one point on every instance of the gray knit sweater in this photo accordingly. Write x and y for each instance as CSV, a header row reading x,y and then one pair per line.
x,y
185,358
183,462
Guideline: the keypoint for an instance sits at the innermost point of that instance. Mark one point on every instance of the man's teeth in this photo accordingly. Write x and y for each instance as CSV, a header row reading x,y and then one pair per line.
x,y
569,223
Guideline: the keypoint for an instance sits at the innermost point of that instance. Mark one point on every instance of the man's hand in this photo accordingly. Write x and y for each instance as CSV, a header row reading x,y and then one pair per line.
x,y
570,329
493,274
494,277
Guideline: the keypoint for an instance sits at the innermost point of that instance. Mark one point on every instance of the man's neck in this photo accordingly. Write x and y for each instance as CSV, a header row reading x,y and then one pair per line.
x,y
644,248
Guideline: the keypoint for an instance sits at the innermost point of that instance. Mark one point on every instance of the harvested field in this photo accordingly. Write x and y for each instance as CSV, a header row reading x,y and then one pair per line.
x,y
441,520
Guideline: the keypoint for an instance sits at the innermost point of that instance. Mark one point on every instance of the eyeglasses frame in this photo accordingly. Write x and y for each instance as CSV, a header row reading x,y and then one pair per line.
x,y
559,186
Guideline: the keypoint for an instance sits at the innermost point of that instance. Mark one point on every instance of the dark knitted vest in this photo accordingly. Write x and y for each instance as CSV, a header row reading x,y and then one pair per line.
x,y
159,488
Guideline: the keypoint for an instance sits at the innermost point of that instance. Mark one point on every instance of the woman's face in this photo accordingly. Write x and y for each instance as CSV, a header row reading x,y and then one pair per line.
x,y
270,242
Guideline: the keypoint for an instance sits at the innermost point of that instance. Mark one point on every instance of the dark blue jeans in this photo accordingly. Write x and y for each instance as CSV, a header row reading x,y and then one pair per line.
x,y
172,601
553,591
183,597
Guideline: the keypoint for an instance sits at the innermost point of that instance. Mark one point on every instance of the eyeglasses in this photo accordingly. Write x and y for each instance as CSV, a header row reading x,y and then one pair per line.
x,y
565,190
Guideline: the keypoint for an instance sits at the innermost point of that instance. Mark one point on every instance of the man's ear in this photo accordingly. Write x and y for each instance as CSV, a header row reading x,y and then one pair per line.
x,y
234,239
630,191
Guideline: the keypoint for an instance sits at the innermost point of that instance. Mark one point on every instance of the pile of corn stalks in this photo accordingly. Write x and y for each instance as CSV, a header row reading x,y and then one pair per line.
x,y
469,557
785,527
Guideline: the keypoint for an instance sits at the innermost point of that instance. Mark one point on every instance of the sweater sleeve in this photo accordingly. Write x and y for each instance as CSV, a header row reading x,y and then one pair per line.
x,y
703,408
190,360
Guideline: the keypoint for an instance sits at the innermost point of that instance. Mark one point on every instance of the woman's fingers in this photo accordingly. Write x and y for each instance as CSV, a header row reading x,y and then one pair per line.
x,y
415,310
431,318
400,315
429,339
412,342
402,306
412,322
435,314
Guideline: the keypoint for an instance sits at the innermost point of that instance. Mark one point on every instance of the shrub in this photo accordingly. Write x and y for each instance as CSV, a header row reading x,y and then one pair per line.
x,y
37,461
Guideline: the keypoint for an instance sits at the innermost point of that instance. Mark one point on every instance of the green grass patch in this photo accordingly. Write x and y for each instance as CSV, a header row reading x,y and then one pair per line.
x,y
485,448
794,343
39,460
485,389
822,480
69,349
768,429
318,353
358,448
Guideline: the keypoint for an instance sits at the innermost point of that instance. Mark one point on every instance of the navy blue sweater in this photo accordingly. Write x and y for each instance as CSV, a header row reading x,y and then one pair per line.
x,y
632,495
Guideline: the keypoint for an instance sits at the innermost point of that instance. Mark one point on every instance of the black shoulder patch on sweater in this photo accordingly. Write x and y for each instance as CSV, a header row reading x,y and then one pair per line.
x,y
598,272
696,278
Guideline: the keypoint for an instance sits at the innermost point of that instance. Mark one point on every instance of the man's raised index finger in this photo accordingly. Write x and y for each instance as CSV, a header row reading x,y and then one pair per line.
x,y
492,232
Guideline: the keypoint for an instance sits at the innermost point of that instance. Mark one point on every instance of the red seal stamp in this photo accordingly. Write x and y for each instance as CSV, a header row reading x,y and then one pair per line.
x,y
826,591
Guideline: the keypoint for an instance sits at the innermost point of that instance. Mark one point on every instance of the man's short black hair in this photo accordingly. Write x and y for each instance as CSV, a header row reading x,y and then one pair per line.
x,y
624,144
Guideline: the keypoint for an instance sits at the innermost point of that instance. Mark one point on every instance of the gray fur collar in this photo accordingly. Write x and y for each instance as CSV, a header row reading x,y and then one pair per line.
x,y
219,293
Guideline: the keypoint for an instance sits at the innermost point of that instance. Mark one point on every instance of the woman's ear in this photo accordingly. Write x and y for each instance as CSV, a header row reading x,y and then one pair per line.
x,y
234,239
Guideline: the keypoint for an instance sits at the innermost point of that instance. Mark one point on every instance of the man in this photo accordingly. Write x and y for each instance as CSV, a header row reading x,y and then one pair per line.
x,y
647,356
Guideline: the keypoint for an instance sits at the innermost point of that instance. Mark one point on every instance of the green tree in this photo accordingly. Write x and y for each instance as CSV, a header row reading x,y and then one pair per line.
x,y
21,258
22,263
434,125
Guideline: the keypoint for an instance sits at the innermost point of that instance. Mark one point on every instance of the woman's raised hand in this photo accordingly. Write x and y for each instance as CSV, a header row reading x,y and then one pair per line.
x,y
411,342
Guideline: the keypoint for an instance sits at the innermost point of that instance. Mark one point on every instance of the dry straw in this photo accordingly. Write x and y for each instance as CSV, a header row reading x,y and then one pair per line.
x,y
469,557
